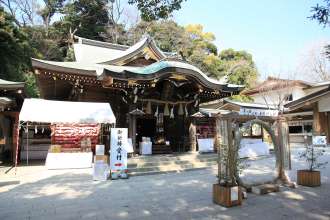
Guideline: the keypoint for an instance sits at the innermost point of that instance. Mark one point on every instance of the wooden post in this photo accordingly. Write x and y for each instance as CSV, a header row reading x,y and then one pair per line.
x,y
134,132
318,120
328,126
192,136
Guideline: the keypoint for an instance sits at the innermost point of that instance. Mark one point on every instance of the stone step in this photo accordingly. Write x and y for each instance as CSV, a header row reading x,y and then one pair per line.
x,y
154,164
169,170
172,168
170,157
138,164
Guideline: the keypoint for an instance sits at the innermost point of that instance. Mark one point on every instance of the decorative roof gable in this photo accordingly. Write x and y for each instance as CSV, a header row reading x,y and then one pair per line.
x,y
97,52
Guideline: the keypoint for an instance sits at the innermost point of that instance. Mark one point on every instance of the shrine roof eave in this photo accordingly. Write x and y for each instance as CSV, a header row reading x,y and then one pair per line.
x,y
66,67
11,85
159,70
168,72
166,69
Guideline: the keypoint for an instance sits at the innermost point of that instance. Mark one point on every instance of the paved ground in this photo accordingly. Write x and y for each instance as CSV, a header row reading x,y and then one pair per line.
x,y
71,194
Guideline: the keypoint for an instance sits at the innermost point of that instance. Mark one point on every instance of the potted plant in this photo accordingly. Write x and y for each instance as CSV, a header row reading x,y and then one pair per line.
x,y
311,176
227,191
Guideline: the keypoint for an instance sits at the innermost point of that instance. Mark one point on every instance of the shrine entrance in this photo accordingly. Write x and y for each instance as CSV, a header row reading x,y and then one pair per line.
x,y
145,127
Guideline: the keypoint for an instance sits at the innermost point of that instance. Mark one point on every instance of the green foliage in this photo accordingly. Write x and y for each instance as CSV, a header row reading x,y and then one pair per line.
x,y
15,53
31,87
46,44
50,8
156,9
170,37
240,67
91,19
88,18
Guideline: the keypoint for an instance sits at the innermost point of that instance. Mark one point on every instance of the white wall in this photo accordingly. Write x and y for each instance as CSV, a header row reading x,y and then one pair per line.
x,y
272,97
324,104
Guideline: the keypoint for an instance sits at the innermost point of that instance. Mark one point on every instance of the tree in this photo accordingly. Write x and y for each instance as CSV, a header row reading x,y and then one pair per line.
x,y
321,13
240,67
169,36
156,9
50,8
15,53
87,18
14,49
24,12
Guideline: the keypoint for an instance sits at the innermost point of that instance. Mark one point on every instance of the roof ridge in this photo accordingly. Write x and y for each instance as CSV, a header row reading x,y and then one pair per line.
x,y
104,44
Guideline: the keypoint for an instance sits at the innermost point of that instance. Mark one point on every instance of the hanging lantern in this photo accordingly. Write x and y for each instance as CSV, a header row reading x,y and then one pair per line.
x,y
148,109
156,112
172,112
180,112
166,110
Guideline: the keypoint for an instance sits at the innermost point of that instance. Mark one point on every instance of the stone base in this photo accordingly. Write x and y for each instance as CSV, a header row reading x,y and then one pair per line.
x,y
265,188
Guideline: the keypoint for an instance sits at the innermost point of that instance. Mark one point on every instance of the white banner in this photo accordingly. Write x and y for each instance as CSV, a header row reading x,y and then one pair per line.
x,y
258,112
118,149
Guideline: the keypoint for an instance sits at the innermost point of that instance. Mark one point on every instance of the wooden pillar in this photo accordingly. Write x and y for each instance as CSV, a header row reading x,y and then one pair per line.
x,y
134,132
319,121
15,132
132,129
192,135
328,126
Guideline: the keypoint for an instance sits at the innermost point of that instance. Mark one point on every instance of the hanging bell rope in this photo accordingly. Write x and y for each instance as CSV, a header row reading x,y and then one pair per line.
x,y
180,112
186,110
166,110
172,112
148,109
156,112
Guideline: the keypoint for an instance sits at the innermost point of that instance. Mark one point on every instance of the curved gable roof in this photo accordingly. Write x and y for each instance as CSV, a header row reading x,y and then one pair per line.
x,y
93,51
140,48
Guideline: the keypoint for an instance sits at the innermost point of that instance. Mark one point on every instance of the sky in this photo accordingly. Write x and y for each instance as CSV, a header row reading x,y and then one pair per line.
x,y
276,32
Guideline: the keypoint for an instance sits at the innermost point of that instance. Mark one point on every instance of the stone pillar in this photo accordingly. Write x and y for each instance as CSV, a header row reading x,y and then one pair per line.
x,y
192,136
